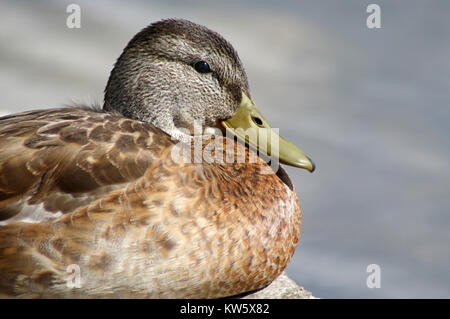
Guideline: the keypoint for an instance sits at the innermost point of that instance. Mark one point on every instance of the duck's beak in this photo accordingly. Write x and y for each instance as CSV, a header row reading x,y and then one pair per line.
x,y
262,137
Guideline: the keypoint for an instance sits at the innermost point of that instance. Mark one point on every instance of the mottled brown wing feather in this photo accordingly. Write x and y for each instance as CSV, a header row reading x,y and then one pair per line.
x,y
62,159
182,230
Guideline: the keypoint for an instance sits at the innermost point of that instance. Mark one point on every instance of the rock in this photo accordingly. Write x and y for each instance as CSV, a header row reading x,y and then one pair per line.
x,y
281,288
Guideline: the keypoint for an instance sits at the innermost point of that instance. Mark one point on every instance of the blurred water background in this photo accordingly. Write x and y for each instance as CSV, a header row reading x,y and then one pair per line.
x,y
370,106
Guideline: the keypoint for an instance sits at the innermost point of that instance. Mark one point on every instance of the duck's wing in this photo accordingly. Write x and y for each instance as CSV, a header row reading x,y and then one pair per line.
x,y
182,230
54,161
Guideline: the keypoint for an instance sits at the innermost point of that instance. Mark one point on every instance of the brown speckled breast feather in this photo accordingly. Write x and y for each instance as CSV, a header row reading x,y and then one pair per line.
x,y
136,222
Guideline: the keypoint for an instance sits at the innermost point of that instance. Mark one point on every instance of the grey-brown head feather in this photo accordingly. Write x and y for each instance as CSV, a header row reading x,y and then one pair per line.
x,y
154,79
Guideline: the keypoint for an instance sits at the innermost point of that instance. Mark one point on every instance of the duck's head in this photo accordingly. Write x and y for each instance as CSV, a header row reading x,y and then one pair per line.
x,y
175,73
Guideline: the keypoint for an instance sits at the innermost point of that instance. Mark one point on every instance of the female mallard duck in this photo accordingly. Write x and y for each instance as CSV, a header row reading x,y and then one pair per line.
x,y
98,197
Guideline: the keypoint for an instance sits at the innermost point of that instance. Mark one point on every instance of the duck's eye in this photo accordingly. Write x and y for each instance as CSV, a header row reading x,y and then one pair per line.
x,y
202,67
257,121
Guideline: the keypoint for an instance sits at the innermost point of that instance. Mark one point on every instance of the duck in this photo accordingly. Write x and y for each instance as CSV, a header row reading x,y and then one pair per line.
x,y
122,200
